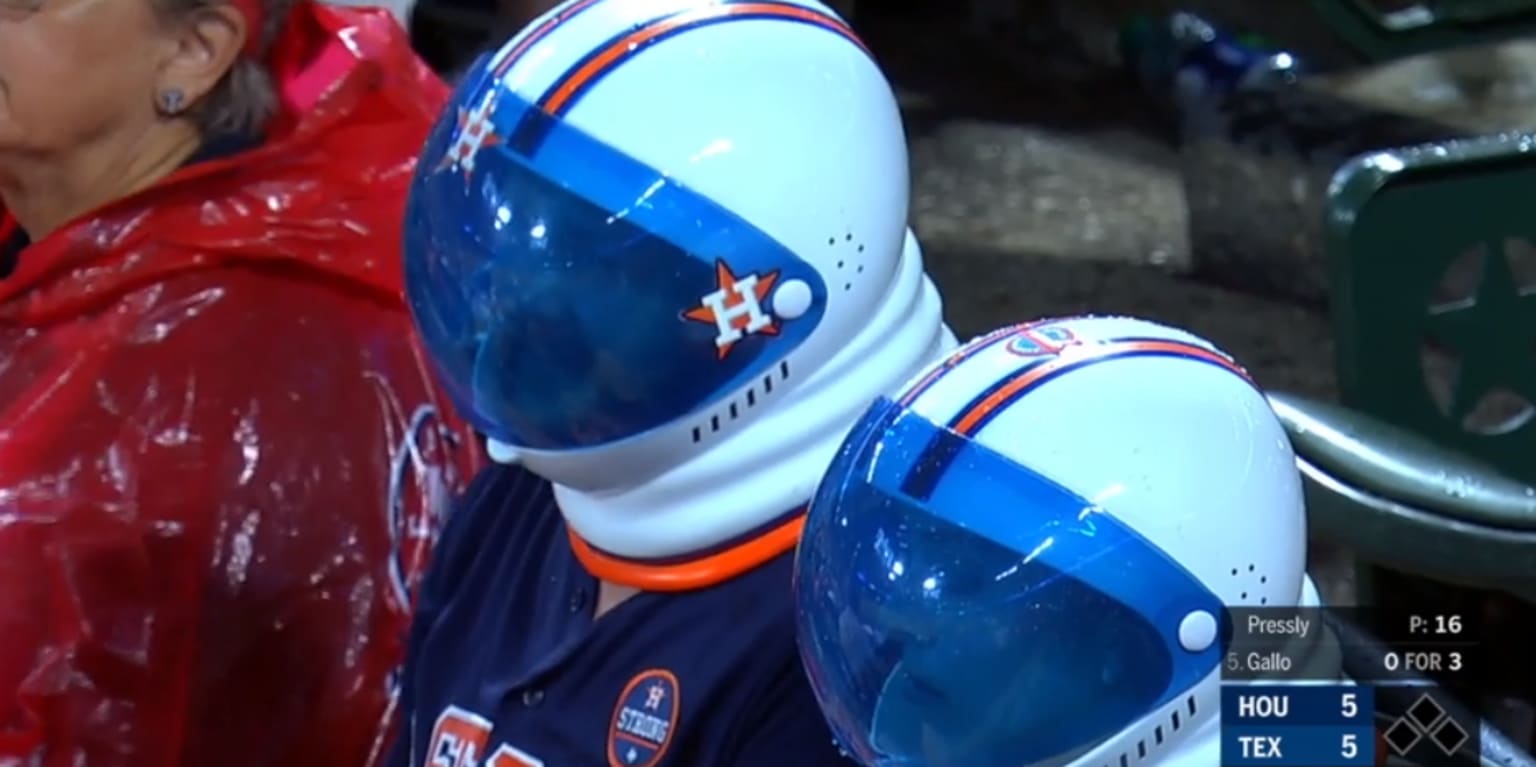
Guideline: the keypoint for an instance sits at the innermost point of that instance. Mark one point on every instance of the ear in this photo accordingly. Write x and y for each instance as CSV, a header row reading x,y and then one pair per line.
x,y
202,48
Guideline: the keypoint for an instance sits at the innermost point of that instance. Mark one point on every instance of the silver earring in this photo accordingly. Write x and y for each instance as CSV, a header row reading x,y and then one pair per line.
x,y
170,101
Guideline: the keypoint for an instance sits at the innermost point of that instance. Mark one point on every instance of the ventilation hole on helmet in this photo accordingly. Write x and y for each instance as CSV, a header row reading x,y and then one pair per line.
x,y
1243,595
733,410
1263,579
1234,571
1250,568
1160,738
844,263
1263,600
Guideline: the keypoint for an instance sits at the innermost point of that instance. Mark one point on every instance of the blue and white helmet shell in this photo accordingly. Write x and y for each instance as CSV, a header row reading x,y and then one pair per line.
x,y
645,228
1025,557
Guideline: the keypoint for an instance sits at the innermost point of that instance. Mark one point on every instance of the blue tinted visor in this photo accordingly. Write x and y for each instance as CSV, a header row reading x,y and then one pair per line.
x,y
959,609
570,295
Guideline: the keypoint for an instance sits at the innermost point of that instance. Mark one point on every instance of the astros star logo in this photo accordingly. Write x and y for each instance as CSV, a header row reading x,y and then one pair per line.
x,y
476,132
735,307
655,696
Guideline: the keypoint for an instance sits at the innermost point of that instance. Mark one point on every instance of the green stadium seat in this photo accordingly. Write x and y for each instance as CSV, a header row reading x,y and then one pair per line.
x,y
1427,467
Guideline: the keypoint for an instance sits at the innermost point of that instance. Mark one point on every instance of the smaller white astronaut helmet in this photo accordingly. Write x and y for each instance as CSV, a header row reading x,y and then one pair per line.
x,y
1024,559
658,250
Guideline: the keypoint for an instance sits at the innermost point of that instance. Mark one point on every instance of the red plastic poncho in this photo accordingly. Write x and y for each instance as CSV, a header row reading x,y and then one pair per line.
x,y
222,460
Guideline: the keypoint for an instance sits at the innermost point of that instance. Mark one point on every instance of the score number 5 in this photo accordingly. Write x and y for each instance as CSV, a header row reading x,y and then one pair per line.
x,y
1349,709
1348,749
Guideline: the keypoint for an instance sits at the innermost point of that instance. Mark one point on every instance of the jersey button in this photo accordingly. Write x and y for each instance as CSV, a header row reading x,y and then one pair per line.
x,y
578,600
533,696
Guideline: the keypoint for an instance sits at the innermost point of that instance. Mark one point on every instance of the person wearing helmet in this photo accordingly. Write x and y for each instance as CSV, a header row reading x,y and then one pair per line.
x,y
658,253
1025,558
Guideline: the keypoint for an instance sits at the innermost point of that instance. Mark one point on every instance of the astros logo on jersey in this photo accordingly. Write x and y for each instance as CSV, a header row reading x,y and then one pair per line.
x,y
644,720
735,307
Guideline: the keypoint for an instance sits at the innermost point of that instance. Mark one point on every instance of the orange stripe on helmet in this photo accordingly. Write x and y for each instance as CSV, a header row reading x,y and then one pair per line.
x,y
560,95
971,419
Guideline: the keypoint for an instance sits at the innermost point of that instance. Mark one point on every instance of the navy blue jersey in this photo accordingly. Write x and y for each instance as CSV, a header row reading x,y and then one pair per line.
x,y
507,668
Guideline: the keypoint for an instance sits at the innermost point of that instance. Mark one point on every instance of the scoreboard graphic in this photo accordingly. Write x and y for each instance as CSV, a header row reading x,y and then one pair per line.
x,y
1283,704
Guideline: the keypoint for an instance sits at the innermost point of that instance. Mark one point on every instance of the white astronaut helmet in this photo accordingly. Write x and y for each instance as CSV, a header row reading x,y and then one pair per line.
x,y
659,250
1024,558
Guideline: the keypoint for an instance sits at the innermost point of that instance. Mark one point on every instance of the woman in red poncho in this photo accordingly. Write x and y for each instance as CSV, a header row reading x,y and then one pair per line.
x,y
222,461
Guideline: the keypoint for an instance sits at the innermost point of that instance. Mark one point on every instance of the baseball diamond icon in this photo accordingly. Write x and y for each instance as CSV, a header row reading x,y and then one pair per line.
x,y
1425,719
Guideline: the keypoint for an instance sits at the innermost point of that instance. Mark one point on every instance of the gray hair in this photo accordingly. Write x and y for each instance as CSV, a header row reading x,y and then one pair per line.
x,y
245,99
